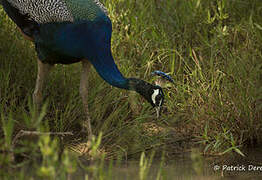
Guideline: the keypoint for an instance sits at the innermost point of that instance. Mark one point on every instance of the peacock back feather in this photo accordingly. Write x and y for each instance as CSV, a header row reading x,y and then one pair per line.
x,y
85,9
59,10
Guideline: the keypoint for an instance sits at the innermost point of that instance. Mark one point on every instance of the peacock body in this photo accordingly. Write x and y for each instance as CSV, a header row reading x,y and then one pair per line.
x,y
69,31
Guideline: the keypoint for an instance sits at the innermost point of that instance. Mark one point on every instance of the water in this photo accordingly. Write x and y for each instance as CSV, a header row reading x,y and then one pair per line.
x,y
195,166
176,167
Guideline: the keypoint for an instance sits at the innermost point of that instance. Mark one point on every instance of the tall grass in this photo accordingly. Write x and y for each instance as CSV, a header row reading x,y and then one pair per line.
x,y
212,48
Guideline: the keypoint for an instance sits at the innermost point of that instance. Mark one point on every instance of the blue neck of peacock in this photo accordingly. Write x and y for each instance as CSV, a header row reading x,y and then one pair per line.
x,y
107,69
98,52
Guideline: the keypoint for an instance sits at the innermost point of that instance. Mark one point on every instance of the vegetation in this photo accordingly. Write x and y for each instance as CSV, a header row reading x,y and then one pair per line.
x,y
213,50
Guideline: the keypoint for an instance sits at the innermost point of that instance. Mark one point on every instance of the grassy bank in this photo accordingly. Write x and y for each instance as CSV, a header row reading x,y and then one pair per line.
x,y
212,49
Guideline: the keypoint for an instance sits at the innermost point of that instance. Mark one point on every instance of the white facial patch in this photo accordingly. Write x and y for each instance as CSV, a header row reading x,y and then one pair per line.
x,y
156,92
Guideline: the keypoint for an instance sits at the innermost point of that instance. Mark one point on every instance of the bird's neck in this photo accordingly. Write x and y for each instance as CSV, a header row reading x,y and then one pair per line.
x,y
140,86
100,56
108,70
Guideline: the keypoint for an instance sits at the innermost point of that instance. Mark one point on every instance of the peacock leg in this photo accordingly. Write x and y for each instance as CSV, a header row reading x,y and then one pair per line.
x,y
84,93
43,70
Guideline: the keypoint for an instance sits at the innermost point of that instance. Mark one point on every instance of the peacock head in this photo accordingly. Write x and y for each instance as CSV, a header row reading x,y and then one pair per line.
x,y
152,93
156,98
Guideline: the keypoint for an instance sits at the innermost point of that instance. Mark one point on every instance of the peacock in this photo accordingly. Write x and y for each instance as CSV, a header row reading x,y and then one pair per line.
x,y
71,31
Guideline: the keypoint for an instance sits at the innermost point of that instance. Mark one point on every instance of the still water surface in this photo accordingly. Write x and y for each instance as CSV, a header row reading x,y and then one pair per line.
x,y
197,167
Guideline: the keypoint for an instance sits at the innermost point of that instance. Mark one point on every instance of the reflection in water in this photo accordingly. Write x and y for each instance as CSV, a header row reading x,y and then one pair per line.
x,y
194,166
177,168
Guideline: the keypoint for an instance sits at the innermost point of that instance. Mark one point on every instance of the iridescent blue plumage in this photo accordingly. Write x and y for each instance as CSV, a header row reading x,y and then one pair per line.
x,y
70,42
66,42
70,31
